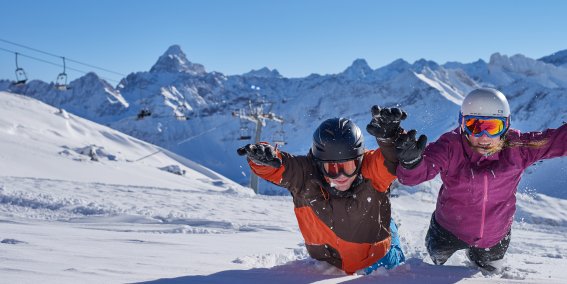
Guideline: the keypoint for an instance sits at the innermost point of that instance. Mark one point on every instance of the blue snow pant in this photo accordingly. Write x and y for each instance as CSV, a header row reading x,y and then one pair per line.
x,y
394,257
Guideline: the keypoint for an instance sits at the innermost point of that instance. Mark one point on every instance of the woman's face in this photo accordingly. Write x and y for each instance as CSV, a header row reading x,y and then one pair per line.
x,y
485,145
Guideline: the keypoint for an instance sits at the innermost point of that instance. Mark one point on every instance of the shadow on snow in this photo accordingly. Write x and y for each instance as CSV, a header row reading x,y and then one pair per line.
x,y
413,271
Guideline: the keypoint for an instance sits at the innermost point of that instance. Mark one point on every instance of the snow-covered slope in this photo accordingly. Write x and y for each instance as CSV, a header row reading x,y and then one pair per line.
x,y
44,142
65,218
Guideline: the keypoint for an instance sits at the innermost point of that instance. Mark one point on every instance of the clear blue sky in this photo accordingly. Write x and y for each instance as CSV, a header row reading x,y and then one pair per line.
x,y
295,37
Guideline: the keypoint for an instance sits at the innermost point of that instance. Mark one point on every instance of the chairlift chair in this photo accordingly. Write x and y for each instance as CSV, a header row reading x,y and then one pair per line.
x,y
181,117
21,77
181,113
143,113
61,82
245,133
279,137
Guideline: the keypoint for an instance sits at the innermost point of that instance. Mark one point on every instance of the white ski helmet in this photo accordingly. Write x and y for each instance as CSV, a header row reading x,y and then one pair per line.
x,y
485,102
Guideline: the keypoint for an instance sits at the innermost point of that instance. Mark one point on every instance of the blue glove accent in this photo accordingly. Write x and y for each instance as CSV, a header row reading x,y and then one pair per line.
x,y
395,255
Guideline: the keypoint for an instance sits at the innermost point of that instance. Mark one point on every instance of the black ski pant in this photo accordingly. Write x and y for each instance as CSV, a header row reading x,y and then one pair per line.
x,y
441,244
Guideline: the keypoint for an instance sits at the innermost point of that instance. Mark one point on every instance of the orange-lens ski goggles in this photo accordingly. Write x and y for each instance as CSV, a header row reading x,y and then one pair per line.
x,y
489,125
347,168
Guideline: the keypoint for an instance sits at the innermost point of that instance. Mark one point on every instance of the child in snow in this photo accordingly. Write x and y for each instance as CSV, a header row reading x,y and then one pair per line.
x,y
481,163
340,191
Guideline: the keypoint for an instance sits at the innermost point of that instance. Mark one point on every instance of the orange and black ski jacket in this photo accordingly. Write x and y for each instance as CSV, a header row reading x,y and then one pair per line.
x,y
349,232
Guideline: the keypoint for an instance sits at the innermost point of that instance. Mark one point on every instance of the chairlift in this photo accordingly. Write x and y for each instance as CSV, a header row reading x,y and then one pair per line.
x,y
181,117
143,113
21,77
279,137
244,132
181,113
61,82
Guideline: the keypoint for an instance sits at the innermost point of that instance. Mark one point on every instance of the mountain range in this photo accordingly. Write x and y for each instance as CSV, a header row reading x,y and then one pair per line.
x,y
190,111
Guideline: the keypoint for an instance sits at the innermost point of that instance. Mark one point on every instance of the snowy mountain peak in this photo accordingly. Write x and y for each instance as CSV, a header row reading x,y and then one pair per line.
x,y
358,69
419,65
264,73
395,68
514,62
398,64
174,60
91,76
558,59
529,69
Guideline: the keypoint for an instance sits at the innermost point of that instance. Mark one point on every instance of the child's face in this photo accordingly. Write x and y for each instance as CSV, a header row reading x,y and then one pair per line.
x,y
342,183
485,145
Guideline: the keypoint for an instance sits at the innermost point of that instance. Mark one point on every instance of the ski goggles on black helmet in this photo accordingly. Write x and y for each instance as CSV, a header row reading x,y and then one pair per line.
x,y
348,168
490,125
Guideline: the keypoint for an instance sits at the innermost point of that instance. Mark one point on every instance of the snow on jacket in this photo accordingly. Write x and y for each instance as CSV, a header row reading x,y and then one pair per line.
x,y
350,232
477,200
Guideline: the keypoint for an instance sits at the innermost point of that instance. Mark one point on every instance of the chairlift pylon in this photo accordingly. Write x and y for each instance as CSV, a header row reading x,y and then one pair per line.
x,y
61,81
21,77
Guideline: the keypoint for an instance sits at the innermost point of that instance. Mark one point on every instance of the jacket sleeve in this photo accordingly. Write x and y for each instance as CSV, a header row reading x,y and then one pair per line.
x,y
435,159
548,144
289,175
374,167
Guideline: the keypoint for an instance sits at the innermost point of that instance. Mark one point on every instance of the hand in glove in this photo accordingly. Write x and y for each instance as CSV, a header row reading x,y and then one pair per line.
x,y
410,151
261,154
385,123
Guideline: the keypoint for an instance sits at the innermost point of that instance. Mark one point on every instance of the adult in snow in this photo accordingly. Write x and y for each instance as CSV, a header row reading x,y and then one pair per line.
x,y
340,191
481,163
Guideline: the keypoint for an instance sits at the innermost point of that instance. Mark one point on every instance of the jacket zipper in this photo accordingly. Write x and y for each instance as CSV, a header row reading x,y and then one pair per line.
x,y
484,200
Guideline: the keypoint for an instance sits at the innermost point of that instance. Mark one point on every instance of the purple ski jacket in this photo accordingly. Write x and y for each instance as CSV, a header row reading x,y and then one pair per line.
x,y
477,200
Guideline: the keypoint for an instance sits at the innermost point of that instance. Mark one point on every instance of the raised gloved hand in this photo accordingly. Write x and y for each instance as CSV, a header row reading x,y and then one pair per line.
x,y
261,154
385,123
410,150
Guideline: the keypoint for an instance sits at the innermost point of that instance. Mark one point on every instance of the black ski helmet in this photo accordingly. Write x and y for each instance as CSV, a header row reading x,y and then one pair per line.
x,y
337,139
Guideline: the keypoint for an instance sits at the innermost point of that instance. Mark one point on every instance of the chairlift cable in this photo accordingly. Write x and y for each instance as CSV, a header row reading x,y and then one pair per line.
x,y
179,143
55,64
59,56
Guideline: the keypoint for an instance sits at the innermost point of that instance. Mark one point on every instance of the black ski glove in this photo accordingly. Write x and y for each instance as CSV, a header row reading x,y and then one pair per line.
x,y
385,123
261,154
410,151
